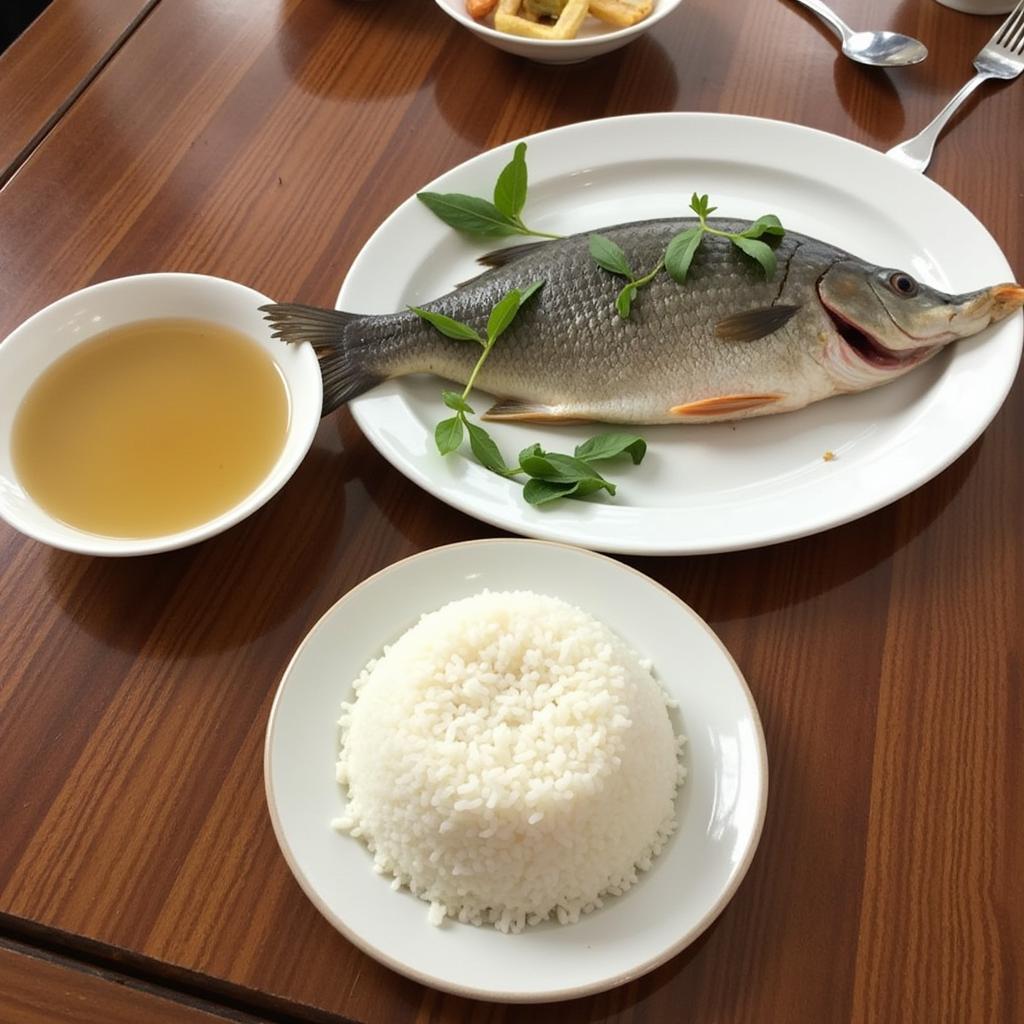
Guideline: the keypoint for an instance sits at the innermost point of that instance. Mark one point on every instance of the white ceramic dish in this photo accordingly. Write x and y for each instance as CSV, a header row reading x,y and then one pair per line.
x,y
724,486
721,805
76,318
594,39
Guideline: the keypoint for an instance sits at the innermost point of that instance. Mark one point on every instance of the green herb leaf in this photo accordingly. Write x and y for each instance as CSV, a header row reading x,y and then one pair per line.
x,y
502,315
560,468
680,252
608,256
533,449
480,217
607,446
536,464
769,224
540,492
624,300
485,450
510,188
455,401
506,310
470,214
586,487
527,292
448,435
699,205
447,326
759,250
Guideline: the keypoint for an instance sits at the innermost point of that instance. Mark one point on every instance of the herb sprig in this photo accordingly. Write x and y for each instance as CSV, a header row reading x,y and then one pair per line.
x,y
448,433
551,475
681,250
496,219
609,256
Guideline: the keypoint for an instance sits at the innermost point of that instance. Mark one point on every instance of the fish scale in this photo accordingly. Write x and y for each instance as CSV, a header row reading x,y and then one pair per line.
x,y
728,342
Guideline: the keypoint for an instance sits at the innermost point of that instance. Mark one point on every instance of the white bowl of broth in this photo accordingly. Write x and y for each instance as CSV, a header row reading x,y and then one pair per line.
x,y
148,413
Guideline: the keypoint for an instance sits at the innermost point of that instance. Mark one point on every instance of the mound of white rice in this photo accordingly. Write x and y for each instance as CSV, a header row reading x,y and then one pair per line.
x,y
509,758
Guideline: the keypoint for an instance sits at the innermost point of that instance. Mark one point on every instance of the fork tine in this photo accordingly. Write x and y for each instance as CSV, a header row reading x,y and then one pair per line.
x,y
1015,39
1006,33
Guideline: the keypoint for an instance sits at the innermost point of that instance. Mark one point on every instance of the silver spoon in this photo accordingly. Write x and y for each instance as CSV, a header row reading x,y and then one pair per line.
x,y
879,49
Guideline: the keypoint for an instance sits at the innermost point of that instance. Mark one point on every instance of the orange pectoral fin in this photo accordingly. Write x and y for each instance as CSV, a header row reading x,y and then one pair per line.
x,y
724,405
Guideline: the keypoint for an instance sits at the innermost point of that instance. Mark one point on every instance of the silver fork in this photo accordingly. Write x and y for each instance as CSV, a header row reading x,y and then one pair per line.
x,y
1001,57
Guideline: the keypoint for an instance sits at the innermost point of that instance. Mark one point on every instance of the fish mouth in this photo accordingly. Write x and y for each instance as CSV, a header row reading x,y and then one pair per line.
x,y
869,349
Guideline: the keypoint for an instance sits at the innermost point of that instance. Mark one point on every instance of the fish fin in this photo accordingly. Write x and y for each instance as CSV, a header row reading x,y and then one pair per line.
x,y
500,258
511,253
340,350
754,323
514,411
724,405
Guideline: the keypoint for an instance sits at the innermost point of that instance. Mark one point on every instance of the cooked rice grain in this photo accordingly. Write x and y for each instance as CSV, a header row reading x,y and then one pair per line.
x,y
508,759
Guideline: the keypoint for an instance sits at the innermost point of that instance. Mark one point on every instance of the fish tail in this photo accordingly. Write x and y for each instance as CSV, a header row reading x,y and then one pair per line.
x,y
341,351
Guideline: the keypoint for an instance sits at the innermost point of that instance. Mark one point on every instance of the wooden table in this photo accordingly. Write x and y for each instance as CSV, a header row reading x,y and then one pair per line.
x,y
264,140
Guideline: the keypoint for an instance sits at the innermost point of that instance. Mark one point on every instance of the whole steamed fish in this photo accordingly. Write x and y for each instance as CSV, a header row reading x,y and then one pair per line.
x,y
726,344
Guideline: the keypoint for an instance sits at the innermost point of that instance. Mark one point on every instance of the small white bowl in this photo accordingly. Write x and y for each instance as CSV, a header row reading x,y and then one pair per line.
x,y
595,36
76,318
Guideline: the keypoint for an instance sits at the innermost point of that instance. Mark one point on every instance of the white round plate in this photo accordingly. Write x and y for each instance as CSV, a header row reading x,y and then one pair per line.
x,y
720,807
717,487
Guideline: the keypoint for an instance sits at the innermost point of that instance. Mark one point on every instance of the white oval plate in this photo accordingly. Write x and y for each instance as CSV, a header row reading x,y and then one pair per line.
x,y
721,805
718,487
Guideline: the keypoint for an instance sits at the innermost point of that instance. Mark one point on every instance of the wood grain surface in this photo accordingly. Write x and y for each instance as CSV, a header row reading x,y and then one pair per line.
x,y
41,989
47,67
264,141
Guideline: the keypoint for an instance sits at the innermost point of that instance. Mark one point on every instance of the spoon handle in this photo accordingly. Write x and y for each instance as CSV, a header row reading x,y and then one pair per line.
x,y
916,153
830,18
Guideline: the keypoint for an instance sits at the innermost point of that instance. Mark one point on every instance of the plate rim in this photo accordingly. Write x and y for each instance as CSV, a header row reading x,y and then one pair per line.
x,y
603,537
736,876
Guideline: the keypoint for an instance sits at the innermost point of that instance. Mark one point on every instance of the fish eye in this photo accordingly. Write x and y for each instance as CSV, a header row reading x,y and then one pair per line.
x,y
903,284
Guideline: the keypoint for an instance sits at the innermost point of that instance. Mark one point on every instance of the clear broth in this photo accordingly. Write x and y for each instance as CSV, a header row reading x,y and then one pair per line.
x,y
151,428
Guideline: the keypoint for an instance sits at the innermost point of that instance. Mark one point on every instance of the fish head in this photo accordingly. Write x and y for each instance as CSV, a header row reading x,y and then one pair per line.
x,y
886,322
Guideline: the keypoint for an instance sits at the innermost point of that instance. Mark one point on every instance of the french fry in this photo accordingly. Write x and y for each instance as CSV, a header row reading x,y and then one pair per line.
x,y
508,19
621,13
480,8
